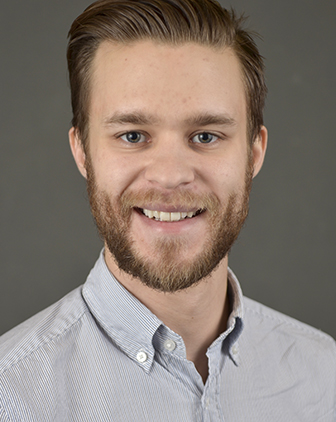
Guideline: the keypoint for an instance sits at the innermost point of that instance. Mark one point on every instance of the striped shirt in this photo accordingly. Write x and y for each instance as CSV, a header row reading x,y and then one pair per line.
x,y
100,355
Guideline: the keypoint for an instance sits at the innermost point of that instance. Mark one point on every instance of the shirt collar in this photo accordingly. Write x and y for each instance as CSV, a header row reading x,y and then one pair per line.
x,y
129,323
235,321
132,326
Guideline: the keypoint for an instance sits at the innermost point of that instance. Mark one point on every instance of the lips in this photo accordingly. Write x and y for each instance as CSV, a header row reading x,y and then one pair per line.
x,y
170,216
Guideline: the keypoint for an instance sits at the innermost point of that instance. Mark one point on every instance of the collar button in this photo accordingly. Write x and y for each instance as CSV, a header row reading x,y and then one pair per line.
x,y
141,357
169,345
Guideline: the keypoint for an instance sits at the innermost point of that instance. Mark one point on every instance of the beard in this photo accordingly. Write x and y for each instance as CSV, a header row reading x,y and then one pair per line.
x,y
166,270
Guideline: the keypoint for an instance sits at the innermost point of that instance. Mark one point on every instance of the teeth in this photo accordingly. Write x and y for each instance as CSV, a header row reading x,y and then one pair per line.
x,y
168,216
165,216
150,214
175,216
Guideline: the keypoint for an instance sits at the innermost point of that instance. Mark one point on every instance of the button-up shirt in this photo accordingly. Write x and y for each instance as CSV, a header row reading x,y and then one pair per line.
x,y
100,355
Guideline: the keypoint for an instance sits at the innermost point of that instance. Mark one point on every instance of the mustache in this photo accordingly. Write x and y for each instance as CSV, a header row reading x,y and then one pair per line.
x,y
179,199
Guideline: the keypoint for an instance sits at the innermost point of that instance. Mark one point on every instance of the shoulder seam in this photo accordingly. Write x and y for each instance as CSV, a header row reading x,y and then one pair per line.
x,y
292,322
49,340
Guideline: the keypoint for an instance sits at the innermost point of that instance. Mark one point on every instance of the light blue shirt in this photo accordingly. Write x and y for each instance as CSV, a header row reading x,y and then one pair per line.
x,y
100,355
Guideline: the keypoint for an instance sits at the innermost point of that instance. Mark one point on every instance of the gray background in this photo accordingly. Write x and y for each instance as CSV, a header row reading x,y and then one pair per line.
x,y
285,255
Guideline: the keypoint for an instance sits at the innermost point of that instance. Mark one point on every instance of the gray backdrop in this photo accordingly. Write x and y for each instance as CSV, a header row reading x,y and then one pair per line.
x,y
284,258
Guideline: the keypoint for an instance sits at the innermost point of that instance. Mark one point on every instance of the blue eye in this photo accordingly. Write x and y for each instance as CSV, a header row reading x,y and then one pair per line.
x,y
204,138
133,137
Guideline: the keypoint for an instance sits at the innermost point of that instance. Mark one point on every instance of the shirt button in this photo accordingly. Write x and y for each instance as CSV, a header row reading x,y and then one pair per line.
x,y
234,350
170,345
141,357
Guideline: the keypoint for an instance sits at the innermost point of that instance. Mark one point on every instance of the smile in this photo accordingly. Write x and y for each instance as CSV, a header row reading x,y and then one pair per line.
x,y
170,216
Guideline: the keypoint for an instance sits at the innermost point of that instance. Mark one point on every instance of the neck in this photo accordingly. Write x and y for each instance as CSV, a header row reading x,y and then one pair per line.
x,y
198,314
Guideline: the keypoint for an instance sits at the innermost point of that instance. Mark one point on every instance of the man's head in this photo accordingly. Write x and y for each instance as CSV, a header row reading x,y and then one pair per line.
x,y
167,148
173,22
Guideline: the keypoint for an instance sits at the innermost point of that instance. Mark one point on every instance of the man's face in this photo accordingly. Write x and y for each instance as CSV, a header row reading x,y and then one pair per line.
x,y
168,164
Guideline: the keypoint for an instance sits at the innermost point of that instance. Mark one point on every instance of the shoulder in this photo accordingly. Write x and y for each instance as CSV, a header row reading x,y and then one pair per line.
x,y
41,330
290,362
267,325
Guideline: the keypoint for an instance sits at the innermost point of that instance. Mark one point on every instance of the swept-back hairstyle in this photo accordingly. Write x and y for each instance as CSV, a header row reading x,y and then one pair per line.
x,y
173,22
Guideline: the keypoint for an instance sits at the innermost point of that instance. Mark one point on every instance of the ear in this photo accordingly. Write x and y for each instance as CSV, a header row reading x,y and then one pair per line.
x,y
259,150
77,150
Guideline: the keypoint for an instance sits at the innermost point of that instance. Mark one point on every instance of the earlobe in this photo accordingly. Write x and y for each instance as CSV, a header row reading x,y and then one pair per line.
x,y
259,150
77,150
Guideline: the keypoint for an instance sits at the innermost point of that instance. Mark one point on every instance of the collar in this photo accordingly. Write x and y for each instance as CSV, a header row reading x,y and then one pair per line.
x,y
235,321
136,330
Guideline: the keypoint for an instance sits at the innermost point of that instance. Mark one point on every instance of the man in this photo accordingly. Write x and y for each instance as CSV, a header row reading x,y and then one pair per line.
x,y
167,98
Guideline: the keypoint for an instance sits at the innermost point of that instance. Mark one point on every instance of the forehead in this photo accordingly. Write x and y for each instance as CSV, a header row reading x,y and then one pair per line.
x,y
169,81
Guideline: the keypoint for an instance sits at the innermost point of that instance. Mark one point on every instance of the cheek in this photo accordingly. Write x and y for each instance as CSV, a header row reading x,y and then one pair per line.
x,y
227,176
114,173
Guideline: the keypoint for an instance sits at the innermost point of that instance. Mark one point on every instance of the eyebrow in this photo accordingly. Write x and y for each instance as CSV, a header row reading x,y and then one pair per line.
x,y
140,118
206,119
134,118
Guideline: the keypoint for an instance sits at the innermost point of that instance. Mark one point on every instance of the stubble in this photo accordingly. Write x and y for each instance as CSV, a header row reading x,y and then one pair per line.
x,y
166,270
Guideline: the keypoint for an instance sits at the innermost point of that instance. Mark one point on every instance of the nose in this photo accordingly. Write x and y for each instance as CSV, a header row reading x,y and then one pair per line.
x,y
170,164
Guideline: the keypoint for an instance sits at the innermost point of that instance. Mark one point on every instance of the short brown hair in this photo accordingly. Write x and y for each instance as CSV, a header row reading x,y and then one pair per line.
x,y
175,22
